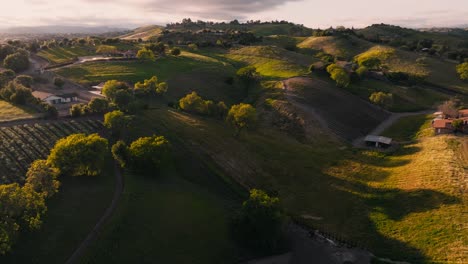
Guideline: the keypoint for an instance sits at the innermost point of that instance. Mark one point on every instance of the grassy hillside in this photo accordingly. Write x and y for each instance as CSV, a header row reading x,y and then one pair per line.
x,y
394,32
165,218
398,204
143,32
341,46
59,55
405,99
9,112
71,214
272,62
346,115
185,73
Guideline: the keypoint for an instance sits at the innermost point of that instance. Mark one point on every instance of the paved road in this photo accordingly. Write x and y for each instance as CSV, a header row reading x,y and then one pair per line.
x,y
119,186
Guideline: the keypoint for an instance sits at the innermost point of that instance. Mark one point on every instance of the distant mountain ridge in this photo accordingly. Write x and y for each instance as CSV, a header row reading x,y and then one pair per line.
x,y
57,29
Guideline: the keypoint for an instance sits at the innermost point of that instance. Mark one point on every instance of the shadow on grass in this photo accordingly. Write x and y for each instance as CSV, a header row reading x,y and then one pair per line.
x,y
365,210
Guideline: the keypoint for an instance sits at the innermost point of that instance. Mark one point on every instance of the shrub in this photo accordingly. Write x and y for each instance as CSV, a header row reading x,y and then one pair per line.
x,y
175,51
76,110
18,61
119,152
362,71
382,99
59,82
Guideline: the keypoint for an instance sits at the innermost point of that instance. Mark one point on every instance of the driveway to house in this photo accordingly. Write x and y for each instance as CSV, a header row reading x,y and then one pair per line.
x,y
359,142
309,112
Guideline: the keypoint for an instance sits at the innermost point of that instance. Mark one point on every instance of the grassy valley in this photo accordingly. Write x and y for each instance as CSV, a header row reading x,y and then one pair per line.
x,y
296,135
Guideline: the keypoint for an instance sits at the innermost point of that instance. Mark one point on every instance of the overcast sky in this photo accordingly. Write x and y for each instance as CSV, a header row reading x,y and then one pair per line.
x,y
312,13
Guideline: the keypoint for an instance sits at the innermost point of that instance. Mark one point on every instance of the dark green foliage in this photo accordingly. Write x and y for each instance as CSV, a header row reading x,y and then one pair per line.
x,y
382,99
98,105
260,222
59,82
175,51
16,93
24,80
5,77
119,152
116,121
193,103
18,61
79,155
21,209
147,154
242,116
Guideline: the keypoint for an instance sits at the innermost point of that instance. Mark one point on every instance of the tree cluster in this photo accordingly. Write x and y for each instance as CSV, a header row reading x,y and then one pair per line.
x,y
150,87
95,106
339,75
193,103
145,155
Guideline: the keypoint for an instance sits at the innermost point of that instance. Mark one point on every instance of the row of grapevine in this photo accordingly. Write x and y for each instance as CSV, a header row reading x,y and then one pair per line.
x,y
21,145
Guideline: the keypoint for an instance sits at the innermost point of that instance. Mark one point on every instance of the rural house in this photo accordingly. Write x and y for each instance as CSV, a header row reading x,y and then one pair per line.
x,y
55,99
443,124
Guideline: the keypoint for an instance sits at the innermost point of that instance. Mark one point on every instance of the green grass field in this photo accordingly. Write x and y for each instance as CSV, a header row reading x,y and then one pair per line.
x,y
405,99
345,47
9,112
272,62
65,54
180,215
398,205
188,72
70,216
410,128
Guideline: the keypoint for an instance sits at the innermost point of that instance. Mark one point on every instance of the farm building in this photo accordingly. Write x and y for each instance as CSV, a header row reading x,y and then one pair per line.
x,y
55,99
378,141
443,125
129,54
69,98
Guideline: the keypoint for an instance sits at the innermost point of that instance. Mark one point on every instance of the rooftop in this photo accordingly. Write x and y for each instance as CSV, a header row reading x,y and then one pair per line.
x,y
41,95
380,139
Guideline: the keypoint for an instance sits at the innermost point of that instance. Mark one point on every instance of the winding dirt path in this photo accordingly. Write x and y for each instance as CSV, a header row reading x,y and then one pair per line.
x,y
92,235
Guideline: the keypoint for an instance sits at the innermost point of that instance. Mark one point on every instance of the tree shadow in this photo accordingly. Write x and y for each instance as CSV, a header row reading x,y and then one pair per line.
x,y
353,222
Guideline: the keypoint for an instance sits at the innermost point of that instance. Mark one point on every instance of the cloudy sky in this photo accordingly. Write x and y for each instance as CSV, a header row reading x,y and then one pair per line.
x,y
312,13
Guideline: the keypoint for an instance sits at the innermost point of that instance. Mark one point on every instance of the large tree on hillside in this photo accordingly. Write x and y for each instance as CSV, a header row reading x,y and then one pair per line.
x,y
21,208
339,75
242,116
150,86
146,54
79,154
462,70
260,222
18,61
149,153
116,121
248,76
42,178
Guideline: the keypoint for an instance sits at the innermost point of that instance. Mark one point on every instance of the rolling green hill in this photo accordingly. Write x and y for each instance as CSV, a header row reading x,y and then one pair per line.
x,y
342,46
272,62
144,33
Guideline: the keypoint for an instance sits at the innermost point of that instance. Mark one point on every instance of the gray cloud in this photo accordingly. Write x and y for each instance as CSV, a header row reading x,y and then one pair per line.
x,y
214,9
